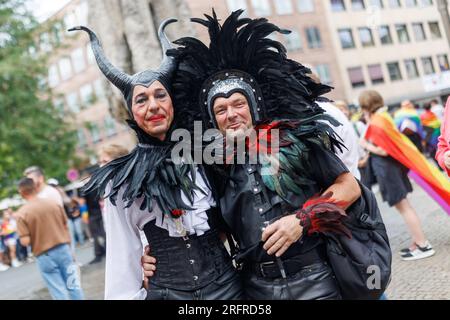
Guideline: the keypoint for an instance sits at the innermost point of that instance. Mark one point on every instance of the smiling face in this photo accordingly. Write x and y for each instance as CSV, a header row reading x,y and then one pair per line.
x,y
152,109
233,115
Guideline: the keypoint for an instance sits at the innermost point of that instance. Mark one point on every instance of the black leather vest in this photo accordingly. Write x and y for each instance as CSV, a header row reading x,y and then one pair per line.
x,y
188,263
247,205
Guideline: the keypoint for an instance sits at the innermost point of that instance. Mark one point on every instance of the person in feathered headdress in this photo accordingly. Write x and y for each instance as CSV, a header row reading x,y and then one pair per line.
x,y
171,203
242,82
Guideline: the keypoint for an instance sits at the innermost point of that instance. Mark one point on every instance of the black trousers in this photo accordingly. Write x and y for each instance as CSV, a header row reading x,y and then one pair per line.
x,y
98,234
227,287
313,282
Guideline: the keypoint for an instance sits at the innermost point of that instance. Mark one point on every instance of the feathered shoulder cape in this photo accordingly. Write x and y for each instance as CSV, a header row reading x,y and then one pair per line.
x,y
146,172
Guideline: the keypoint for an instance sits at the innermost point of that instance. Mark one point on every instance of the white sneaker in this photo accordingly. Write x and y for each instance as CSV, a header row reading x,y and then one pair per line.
x,y
419,253
3,267
15,263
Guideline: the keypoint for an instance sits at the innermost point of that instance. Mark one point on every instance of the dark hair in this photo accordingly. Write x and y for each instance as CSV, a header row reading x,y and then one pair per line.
x,y
427,105
26,186
34,169
434,101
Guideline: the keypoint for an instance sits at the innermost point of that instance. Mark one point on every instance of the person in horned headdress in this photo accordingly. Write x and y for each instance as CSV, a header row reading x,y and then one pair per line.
x,y
171,203
243,82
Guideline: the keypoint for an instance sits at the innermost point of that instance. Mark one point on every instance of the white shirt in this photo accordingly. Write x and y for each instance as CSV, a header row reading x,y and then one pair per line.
x,y
351,155
123,226
51,193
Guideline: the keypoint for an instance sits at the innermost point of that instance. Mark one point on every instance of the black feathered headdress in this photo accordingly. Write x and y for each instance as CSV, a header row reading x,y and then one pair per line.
x,y
241,57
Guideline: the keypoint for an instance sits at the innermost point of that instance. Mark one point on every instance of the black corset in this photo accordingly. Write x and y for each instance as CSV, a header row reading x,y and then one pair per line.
x,y
187,263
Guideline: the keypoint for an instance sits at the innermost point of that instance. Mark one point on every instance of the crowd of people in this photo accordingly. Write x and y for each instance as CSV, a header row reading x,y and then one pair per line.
x,y
276,222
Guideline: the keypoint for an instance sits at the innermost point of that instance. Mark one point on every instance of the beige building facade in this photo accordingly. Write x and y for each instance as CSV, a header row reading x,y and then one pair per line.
x,y
397,47
78,85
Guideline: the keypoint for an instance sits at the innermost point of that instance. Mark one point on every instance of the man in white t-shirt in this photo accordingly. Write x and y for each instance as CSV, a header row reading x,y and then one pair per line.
x,y
349,155
44,190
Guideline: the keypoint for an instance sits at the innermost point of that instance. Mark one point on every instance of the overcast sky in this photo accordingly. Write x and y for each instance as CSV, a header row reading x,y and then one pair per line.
x,y
45,8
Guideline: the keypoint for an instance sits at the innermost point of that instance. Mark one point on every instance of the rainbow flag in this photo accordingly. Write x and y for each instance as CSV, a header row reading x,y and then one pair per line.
x,y
430,120
409,114
383,132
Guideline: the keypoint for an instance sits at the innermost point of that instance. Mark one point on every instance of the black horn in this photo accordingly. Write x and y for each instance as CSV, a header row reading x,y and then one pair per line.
x,y
117,77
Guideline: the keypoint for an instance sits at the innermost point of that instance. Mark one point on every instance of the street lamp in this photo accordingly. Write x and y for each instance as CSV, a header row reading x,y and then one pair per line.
x,y
443,10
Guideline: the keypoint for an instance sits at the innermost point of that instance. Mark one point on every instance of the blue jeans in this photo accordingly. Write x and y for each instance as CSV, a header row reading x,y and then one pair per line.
x,y
60,273
76,230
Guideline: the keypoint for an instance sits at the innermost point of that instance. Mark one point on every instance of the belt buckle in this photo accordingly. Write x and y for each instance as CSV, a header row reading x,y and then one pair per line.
x,y
262,265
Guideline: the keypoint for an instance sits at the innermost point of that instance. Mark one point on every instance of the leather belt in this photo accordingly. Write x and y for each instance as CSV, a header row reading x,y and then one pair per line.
x,y
292,265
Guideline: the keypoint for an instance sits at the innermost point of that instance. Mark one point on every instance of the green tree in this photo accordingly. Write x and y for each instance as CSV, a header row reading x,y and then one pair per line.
x,y
32,131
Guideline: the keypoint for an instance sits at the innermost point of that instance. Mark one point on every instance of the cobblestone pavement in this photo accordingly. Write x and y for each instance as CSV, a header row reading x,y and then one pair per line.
x,y
424,279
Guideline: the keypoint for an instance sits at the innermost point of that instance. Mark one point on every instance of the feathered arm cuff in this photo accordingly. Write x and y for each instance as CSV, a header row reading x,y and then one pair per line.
x,y
323,214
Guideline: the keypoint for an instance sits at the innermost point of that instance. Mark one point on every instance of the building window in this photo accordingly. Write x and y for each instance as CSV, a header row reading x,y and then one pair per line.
x,y
323,71
53,78
70,21
293,41
87,95
385,34
95,132
346,37
358,5
443,62
65,67
376,3
411,68
435,30
44,42
81,138
79,63
394,3
411,3
305,6
394,71
419,33
58,103
402,33
261,8
426,3
58,32
110,126
376,73
427,63
337,5
283,7
72,102
314,39
365,34
356,77
99,89
81,13
234,5
90,54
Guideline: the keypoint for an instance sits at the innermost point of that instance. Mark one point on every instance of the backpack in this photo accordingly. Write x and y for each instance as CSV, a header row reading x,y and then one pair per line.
x,y
362,264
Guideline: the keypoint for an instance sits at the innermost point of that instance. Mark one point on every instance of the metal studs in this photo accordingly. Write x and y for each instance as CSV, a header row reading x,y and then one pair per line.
x,y
195,278
227,74
260,210
259,109
259,98
191,261
188,245
204,90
